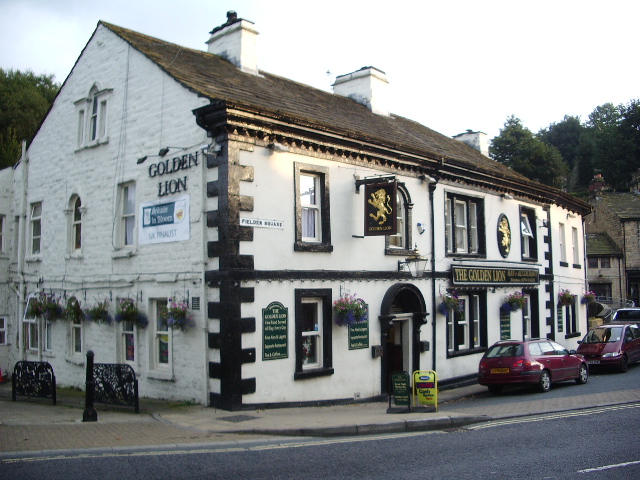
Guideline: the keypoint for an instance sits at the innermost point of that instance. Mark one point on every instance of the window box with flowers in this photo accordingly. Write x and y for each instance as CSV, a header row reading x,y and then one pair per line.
x,y
47,306
177,316
349,310
513,302
127,311
565,297
98,313
449,301
588,297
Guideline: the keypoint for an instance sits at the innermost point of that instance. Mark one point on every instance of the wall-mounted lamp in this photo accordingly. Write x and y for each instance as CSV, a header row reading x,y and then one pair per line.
x,y
141,160
278,147
427,178
421,228
506,196
415,262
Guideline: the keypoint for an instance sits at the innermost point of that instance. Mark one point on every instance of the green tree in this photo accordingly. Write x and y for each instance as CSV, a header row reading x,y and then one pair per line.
x,y
25,99
518,148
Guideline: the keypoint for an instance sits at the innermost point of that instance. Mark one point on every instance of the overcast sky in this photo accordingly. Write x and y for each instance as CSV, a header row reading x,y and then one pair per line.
x,y
452,65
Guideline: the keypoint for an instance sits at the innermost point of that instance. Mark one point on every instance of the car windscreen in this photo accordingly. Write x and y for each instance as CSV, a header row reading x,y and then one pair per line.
x,y
512,350
603,335
627,315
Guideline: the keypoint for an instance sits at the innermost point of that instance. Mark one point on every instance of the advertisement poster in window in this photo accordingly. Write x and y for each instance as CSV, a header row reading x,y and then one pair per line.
x,y
163,221
380,209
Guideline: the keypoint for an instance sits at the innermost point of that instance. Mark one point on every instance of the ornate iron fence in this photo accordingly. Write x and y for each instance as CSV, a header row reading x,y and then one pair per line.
x,y
116,383
33,379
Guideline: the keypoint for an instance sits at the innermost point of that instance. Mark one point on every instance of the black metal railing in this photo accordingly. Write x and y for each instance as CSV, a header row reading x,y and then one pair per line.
x,y
116,383
33,379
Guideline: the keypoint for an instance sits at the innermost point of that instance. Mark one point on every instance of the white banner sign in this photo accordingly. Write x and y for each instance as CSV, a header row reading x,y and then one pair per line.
x,y
162,221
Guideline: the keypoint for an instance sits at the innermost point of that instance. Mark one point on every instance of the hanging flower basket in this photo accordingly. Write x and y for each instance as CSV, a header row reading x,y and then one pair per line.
x,y
73,312
349,310
177,316
98,313
565,297
513,302
449,301
127,311
588,297
47,306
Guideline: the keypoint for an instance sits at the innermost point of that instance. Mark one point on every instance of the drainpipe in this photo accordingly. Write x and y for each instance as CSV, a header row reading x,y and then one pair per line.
x,y
22,288
432,189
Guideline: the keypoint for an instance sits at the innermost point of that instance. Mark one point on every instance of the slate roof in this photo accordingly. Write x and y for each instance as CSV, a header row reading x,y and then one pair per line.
x,y
626,205
213,77
601,244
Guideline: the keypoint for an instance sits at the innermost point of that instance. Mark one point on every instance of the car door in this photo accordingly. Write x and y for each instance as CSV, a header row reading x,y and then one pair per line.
x,y
551,361
568,363
632,339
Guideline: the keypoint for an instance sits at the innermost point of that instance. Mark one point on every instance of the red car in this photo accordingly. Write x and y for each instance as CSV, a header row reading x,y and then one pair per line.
x,y
611,346
538,362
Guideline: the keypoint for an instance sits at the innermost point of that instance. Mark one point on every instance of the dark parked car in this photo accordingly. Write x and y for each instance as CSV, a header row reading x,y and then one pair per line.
x,y
611,346
539,362
627,315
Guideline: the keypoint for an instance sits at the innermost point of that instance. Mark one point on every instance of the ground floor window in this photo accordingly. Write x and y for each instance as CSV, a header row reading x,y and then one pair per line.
x,y
162,335
313,333
76,335
3,331
31,333
466,324
568,319
128,342
526,318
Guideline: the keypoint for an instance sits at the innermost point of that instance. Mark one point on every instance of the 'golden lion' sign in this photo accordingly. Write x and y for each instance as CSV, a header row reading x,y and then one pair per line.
x,y
380,209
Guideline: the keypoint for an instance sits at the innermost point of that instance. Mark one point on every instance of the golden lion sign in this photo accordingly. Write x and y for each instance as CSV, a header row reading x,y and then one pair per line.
x,y
380,209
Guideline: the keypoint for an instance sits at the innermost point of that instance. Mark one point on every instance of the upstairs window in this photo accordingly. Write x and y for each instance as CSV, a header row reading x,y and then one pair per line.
x,y
36,228
93,118
563,245
127,214
3,234
575,245
75,237
401,242
313,220
464,217
528,235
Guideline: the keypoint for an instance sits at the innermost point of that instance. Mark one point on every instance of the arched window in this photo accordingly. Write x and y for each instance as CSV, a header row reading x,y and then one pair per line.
x,y
401,242
76,225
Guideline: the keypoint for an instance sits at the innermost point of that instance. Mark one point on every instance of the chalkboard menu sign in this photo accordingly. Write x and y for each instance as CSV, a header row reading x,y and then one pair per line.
x,y
275,325
401,388
505,325
359,335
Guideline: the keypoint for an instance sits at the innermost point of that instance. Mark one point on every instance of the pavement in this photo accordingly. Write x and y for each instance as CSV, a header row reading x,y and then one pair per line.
x,y
31,425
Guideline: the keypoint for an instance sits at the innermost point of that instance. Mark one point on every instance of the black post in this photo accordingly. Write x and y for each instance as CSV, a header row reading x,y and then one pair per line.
x,y
89,415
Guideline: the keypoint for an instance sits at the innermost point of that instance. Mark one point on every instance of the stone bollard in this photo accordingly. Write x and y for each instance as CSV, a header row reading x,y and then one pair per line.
x,y
90,414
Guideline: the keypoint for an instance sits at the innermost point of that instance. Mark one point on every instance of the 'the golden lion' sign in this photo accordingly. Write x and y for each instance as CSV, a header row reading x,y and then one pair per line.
x,y
380,209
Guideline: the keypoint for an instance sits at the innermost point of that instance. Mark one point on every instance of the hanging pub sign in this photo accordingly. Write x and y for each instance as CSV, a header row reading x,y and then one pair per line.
x,y
163,221
380,209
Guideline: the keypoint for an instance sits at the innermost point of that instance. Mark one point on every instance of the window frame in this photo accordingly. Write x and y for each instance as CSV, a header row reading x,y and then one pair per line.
x,y
4,334
35,220
575,247
128,330
568,315
322,241
77,337
472,320
160,328
127,218
528,243
464,236
76,217
3,234
404,222
563,244
321,298
93,118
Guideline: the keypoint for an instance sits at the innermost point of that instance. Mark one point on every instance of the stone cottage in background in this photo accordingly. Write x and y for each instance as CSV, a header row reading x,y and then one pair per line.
x,y
613,243
315,242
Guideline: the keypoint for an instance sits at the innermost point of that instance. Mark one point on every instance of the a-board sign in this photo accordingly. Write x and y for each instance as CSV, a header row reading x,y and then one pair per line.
x,y
425,387
400,382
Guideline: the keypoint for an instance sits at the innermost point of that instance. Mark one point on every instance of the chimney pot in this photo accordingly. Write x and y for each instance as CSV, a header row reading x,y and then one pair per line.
x,y
236,41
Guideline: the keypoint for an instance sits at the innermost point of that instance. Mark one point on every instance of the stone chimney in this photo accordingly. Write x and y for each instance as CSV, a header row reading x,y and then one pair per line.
x,y
367,86
477,140
236,41
596,187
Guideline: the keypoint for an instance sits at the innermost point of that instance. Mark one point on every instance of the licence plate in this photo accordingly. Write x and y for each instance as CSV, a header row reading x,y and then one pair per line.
x,y
593,362
499,370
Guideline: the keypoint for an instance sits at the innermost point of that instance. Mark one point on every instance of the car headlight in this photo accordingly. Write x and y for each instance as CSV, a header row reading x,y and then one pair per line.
x,y
612,354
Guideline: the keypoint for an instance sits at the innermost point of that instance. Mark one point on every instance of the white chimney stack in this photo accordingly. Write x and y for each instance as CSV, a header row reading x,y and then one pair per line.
x,y
367,86
236,41
477,140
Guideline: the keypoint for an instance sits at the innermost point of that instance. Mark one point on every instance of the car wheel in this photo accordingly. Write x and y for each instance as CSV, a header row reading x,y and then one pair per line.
x,y
583,374
624,366
495,389
545,381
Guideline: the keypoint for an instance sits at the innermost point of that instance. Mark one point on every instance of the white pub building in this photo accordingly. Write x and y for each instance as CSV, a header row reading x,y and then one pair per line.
x,y
168,179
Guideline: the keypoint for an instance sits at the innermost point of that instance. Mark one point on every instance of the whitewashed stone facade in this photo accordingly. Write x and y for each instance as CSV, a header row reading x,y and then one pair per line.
x,y
250,147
